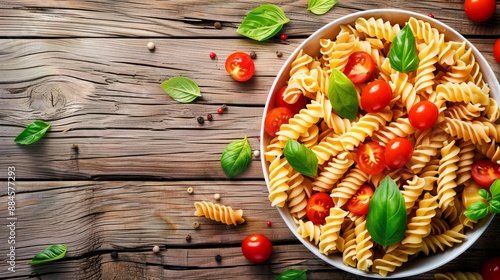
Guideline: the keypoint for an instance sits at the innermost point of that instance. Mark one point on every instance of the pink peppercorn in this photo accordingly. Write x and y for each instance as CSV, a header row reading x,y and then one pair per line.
x,y
269,223
283,36
212,55
431,15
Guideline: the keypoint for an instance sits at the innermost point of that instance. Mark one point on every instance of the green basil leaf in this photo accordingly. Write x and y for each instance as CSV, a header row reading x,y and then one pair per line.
x,y
403,55
386,219
301,158
495,190
293,274
236,157
320,7
181,89
263,22
52,253
476,211
342,95
484,194
495,206
32,133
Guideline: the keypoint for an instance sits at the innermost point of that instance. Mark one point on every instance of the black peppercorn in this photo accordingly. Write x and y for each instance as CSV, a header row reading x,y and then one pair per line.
x,y
200,120
253,55
217,25
188,238
114,254
210,117
279,54
218,258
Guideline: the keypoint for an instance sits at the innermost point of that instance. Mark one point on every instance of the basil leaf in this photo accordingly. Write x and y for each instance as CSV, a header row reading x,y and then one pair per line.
x,y
495,206
386,219
236,157
301,158
495,190
320,7
484,194
32,133
181,89
263,22
403,55
52,253
342,95
293,274
476,211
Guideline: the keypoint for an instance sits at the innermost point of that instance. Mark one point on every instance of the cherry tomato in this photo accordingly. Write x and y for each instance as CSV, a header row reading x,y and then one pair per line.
x,y
491,269
257,248
318,207
275,118
370,158
359,202
484,172
376,96
470,194
496,50
398,152
479,10
295,107
360,67
240,66
423,115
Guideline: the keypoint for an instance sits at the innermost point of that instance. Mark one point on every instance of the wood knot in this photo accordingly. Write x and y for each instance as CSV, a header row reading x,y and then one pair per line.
x,y
49,97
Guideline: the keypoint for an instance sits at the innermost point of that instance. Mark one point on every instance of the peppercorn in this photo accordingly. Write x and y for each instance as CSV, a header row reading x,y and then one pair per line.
x,y
217,196
190,190
200,120
217,25
188,238
218,258
256,153
279,54
224,107
253,55
210,117
151,46
212,55
196,225
431,15
220,110
114,254
269,223
283,37
156,249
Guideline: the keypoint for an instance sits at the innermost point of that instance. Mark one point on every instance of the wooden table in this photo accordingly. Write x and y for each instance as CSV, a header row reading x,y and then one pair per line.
x,y
84,67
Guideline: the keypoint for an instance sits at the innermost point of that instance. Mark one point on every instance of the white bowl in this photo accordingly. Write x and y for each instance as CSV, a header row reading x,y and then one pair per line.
x,y
311,46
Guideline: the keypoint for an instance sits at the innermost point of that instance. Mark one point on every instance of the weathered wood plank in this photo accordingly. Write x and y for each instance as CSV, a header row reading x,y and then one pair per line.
x,y
95,218
104,95
195,18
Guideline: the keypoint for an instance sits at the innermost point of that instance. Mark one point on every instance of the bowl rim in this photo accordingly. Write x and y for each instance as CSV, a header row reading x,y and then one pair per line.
x,y
431,261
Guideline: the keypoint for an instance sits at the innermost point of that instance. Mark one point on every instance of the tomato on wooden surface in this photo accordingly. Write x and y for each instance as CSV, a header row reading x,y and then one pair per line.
x,y
370,158
295,107
359,67
484,172
376,96
275,118
257,248
359,202
479,10
423,115
491,269
496,50
318,207
470,194
240,66
398,152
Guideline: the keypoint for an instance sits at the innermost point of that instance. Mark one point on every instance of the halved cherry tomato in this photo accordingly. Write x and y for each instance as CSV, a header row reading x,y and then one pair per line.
x,y
423,115
275,118
376,96
240,66
491,269
398,152
479,10
295,107
360,67
370,158
359,202
318,207
257,248
484,172
496,50
470,194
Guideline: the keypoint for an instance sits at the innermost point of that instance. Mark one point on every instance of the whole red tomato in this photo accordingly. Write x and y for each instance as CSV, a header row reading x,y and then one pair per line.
x,y
479,10
375,96
398,152
257,248
423,115
496,50
491,269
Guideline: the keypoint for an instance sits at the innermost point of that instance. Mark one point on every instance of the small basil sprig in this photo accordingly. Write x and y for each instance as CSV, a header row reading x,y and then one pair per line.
x,y
263,22
301,158
320,7
479,209
403,55
32,133
386,219
236,157
293,274
343,95
181,89
49,254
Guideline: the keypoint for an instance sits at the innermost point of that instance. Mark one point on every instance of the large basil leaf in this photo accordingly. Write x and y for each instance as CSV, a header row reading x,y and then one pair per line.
x,y
320,7
403,55
386,220
236,157
181,89
263,22
342,95
32,133
52,253
293,274
301,158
